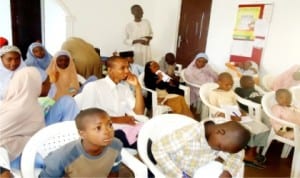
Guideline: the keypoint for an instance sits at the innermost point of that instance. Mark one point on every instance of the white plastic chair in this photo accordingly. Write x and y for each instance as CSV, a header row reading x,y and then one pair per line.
x,y
157,108
81,79
182,76
267,82
157,127
268,101
178,69
53,137
296,95
256,126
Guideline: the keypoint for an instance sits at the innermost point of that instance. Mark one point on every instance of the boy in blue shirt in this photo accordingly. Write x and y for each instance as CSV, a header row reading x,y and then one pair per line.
x,y
96,154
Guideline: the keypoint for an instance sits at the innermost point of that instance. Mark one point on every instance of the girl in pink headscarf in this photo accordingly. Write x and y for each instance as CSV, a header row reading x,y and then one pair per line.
x,y
199,72
20,113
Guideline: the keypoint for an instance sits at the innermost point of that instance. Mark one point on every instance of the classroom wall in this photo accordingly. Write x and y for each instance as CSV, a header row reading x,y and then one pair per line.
x,y
164,15
5,22
102,23
282,48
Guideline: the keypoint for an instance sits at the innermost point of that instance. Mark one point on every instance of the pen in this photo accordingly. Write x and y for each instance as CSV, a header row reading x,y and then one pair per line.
x,y
235,114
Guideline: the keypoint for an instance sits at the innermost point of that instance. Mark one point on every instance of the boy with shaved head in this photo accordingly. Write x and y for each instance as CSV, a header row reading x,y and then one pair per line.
x,y
183,151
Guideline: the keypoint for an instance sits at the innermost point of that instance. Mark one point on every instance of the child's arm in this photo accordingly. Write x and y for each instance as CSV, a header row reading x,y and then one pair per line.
x,y
160,153
52,167
169,145
233,163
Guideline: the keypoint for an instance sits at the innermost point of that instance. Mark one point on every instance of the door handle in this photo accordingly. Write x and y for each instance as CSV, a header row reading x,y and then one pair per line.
x,y
179,41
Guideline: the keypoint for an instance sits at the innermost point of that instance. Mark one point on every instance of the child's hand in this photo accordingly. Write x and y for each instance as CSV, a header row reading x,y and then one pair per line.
x,y
132,79
129,120
220,114
235,118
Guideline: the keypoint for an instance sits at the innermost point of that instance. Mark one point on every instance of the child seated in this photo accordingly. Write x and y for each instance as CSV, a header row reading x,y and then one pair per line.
x,y
223,96
182,152
168,64
247,90
238,69
95,154
284,110
38,56
199,72
63,75
136,69
168,91
288,78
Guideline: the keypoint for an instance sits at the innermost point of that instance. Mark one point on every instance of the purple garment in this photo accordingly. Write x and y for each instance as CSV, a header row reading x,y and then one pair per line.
x,y
199,76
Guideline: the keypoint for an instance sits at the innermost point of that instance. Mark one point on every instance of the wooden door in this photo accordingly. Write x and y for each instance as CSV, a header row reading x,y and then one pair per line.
x,y
26,23
193,29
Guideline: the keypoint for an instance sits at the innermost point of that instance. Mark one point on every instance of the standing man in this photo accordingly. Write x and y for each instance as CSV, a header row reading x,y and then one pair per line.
x,y
139,35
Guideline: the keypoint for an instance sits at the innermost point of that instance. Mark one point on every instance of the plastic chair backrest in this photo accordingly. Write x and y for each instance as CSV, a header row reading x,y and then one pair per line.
x,y
155,128
56,135
268,101
182,75
156,107
267,81
204,96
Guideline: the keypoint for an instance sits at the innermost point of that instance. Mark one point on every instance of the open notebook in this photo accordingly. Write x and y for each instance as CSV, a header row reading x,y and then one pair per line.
x,y
255,127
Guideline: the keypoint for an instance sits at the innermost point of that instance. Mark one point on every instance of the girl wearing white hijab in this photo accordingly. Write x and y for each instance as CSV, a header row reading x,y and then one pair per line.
x,y
20,113
10,62
199,72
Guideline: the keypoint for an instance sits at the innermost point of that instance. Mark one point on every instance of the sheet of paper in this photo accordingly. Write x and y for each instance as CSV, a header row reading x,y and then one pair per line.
x,y
242,48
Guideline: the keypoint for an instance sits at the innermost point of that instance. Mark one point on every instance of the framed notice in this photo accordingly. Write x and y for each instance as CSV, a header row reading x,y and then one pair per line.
x,y
250,32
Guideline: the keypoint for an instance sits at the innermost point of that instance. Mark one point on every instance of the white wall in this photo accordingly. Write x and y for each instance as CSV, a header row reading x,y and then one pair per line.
x,y
5,20
102,23
55,25
282,48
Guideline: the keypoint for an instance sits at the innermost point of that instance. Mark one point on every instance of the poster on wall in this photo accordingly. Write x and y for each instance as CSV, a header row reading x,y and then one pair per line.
x,y
250,32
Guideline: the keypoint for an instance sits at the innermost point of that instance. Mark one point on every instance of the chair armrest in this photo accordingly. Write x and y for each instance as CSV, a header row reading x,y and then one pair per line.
x,y
260,89
283,122
139,169
295,170
187,92
254,109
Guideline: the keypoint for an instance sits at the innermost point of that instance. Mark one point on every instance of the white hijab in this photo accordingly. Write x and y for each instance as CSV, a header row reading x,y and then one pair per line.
x,y
6,74
20,113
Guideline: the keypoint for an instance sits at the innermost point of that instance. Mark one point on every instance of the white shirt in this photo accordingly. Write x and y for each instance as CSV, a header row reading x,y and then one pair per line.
x,y
115,99
139,30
